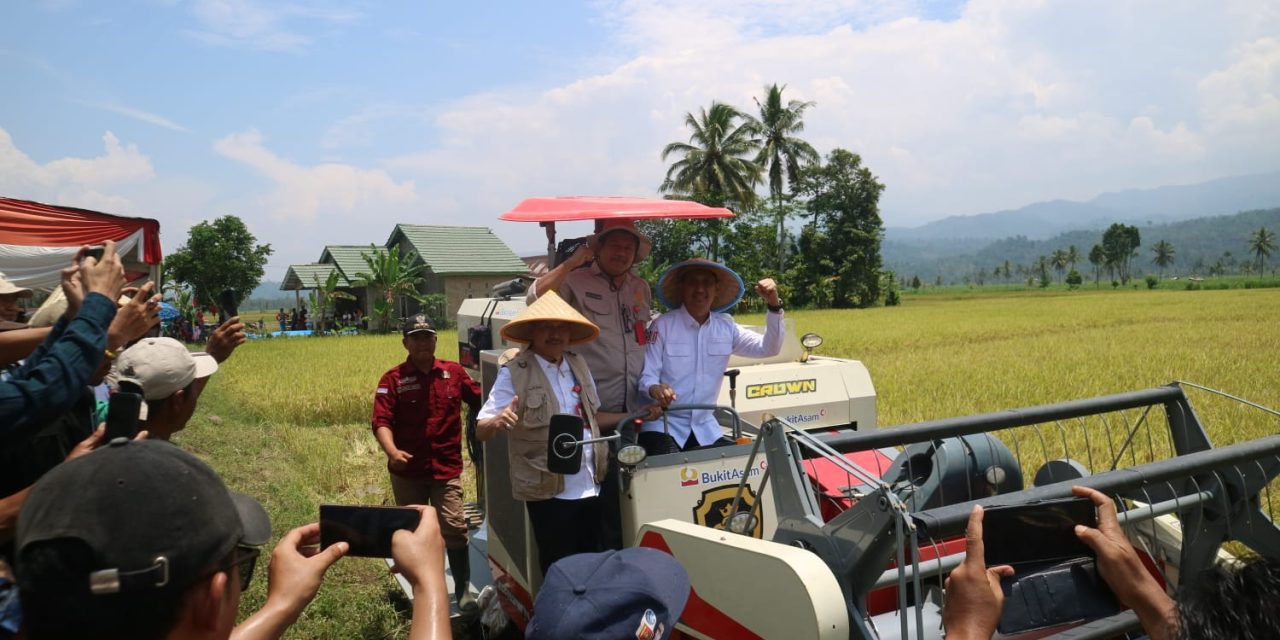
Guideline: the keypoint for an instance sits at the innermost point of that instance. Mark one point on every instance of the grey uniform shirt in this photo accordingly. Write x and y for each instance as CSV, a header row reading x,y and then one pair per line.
x,y
616,358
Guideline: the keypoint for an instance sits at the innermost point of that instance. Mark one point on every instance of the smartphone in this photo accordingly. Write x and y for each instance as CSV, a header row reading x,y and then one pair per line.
x,y
95,252
227,305
122,414
367,529
1037,532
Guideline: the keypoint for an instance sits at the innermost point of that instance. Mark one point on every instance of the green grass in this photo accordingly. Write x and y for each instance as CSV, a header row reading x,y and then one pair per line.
x,y
286,420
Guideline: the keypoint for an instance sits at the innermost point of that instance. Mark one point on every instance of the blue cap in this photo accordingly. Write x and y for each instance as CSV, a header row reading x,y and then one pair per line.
x,y
633,593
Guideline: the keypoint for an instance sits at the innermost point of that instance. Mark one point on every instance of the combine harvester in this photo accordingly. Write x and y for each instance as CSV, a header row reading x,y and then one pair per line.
x,y
820,524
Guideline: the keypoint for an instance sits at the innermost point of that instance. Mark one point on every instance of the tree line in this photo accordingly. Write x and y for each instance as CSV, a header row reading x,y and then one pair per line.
x,y
1115,256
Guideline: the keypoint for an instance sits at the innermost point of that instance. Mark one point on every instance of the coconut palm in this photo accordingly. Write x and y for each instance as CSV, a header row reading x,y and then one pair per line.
x,y
1261,244
1059,262
1164,254
715,165
392,278
781,153
1073,256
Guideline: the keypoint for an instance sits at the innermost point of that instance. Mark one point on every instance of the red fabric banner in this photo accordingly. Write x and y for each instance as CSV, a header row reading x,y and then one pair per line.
x,y
23,222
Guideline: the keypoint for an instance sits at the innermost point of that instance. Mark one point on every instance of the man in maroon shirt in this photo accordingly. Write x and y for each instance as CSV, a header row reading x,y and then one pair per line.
x,y
417,421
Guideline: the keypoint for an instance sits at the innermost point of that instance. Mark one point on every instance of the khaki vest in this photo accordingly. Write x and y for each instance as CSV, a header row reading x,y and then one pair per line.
x,y
527,450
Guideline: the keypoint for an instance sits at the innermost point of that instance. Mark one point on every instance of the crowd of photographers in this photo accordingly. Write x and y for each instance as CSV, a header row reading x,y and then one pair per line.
x,y
132,537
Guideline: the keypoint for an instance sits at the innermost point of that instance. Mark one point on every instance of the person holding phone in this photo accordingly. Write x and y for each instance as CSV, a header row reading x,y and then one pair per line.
x,y
171,554
417,421
543,380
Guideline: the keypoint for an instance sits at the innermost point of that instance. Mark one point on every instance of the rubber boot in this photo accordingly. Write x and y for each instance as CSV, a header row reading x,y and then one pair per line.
x,y
460,565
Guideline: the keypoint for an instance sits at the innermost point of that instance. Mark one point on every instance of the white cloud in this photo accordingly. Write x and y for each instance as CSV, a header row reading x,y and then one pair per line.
x,y
1009,103
72,180
263,25
139,115
303,193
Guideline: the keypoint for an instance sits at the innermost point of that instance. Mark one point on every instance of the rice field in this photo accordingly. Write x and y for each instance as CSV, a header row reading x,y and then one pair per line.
x,y
286,420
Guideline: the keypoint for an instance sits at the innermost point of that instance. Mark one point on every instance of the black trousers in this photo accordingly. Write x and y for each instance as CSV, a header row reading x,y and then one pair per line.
x,y
564,527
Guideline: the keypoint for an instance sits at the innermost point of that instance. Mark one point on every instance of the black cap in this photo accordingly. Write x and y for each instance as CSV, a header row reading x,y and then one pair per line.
x,y
153,515
416,324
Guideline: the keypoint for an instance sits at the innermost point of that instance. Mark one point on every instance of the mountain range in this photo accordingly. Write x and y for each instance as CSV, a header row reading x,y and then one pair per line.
x,y
1201,220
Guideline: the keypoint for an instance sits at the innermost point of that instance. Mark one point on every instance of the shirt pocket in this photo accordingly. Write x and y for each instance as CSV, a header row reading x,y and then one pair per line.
x,y
678,349
598,307
718,346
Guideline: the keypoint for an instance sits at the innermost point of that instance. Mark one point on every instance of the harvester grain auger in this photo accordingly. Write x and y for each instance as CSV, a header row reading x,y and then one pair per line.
x,y
886,534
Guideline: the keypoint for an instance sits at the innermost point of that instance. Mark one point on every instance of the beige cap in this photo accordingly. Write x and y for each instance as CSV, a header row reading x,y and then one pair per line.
x,y
162,367
9,288
643,246
553,308
56,305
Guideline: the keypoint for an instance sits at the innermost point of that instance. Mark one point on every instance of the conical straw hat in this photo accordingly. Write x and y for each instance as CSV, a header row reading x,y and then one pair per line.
x,y
728,293
550,307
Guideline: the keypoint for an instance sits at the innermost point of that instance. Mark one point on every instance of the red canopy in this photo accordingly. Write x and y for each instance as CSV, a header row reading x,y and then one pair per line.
x,y
37,240
568,208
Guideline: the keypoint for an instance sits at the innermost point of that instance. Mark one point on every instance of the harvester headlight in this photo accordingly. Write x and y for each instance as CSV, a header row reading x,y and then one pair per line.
x,y
742,522
809,341
632,455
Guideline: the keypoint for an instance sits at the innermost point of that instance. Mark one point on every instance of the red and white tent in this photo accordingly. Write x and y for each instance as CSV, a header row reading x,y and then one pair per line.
x,y
38,240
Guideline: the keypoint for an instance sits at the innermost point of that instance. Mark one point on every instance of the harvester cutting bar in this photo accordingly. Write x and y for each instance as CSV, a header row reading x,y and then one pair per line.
x,y
1249,464
986,422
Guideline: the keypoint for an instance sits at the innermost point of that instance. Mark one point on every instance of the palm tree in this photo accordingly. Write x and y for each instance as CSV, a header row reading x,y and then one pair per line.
x,y
1059,262
1073,256
1261,244
715,164
391,277
325,297
1163,255
780,152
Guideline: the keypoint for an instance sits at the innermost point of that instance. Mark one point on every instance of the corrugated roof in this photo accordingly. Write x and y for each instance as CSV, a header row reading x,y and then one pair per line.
x,y
308,276
348,258
457,250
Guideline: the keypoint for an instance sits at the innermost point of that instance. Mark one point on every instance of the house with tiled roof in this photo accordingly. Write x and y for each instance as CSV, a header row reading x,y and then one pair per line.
x,y
348,261
461,261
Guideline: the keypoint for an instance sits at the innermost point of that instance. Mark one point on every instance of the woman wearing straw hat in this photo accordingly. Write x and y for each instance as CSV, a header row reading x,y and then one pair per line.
x,y
544,379
690,349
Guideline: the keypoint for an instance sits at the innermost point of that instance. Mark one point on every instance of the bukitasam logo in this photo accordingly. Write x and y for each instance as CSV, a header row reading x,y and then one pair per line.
x,y
771,389
688,476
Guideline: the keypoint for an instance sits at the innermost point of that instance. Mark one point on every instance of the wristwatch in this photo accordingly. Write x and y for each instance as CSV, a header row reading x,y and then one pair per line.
x,y
774,308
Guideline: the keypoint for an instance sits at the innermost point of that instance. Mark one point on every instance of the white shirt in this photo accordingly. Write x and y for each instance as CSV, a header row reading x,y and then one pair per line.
x,y
581,484
692,357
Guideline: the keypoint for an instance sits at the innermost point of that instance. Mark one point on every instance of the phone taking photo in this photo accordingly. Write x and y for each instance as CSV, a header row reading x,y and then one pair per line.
x,y
367,530
122,414
1037,532
227,307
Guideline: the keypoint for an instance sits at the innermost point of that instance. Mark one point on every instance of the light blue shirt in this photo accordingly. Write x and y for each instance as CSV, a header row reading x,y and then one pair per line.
x,y
692,357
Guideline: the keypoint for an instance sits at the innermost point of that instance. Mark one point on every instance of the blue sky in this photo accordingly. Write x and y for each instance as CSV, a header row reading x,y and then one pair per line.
x,y
325,122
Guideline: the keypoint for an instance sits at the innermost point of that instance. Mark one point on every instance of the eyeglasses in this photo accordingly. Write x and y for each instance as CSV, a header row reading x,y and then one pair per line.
x,y
244,558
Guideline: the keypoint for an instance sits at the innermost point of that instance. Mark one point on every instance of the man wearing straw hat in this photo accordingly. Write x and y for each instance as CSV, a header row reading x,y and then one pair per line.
x,y
619,302
690,349
544,379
